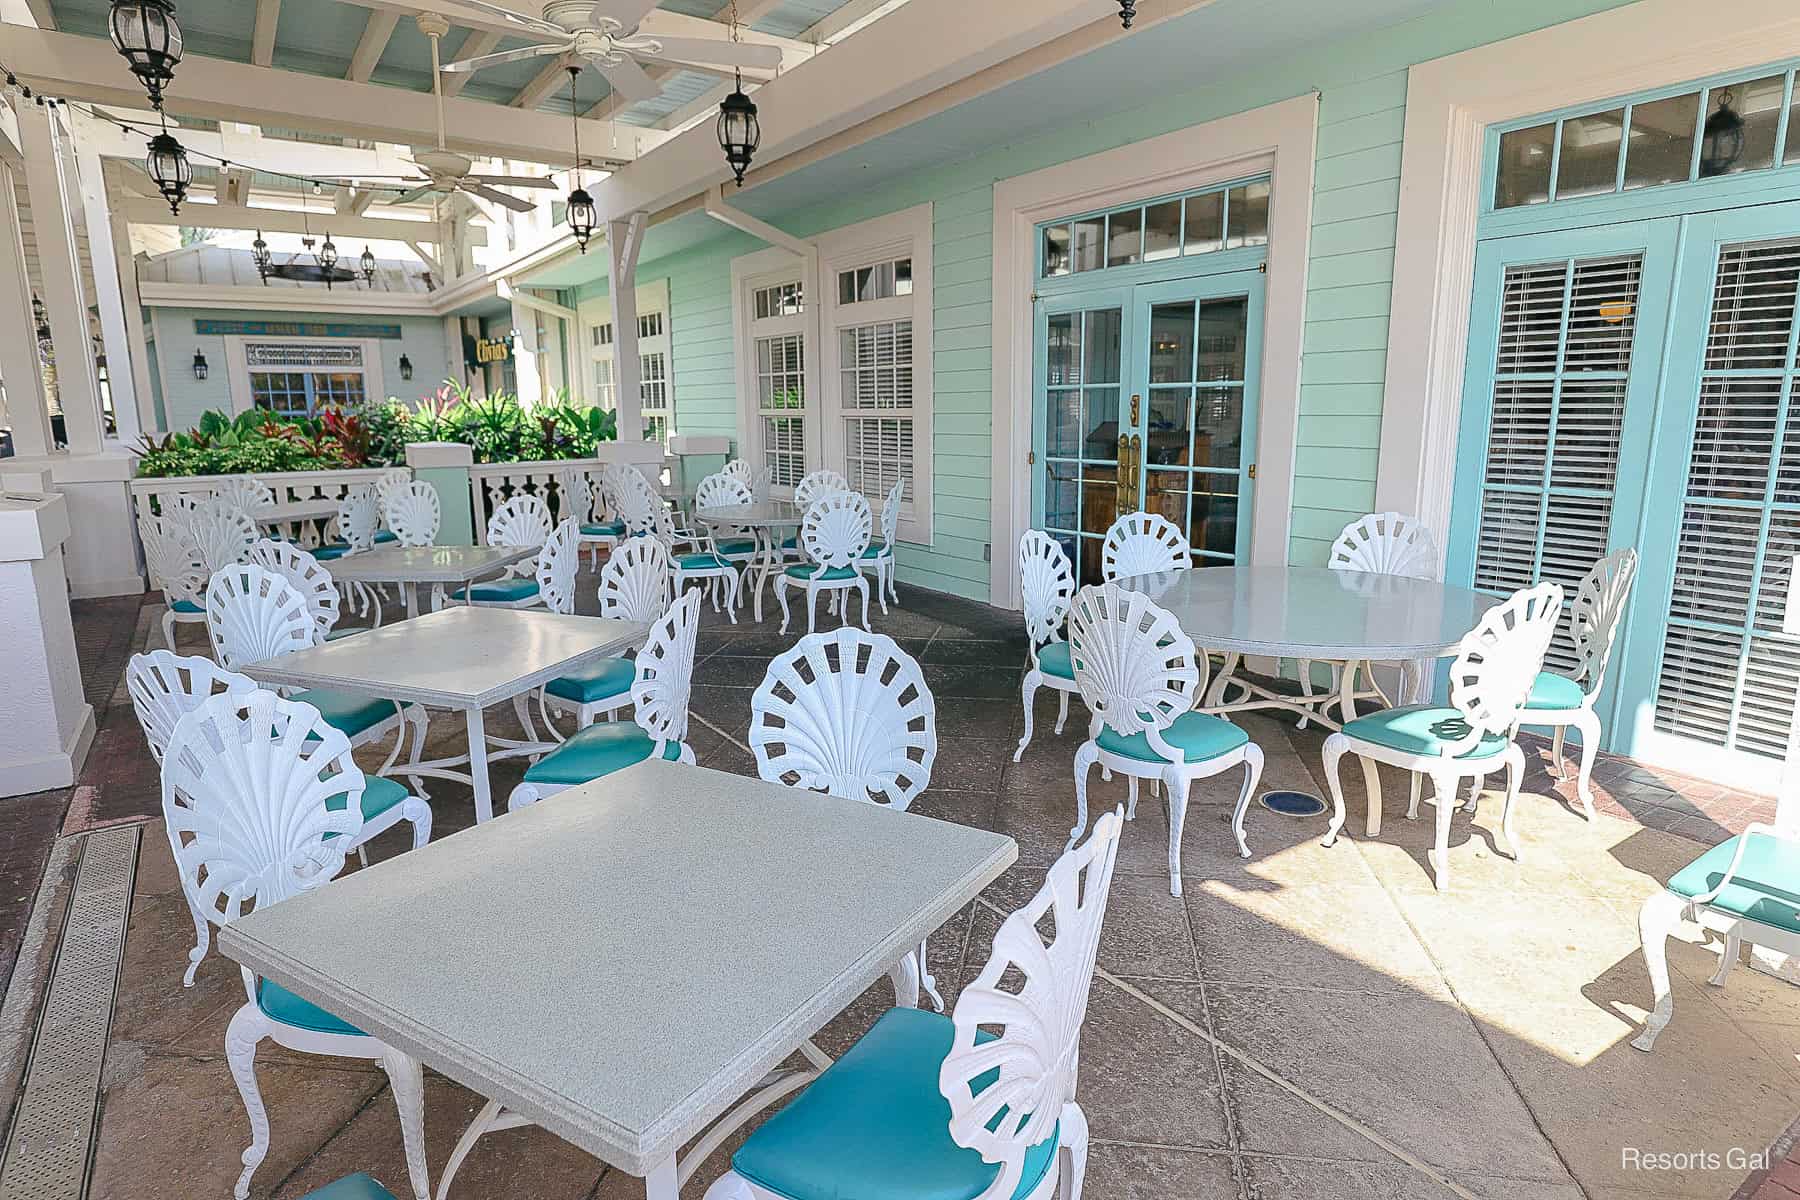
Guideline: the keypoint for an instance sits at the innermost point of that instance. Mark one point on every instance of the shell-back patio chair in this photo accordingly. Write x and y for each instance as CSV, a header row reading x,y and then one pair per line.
x,y
413,512
813,485
1140,543
834,533
978,1105
306,573
635,585
721,490
261,800
522,522
1046,589
173,558
1470,738
880,554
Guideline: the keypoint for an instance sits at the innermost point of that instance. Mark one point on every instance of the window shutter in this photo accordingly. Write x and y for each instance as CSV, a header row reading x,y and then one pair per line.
x,y
1728,675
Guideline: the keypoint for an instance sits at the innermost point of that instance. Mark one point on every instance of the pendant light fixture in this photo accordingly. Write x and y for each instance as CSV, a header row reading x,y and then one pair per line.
x,y
581,216
41,316
1127,12
146,33
739,131
367,261
167,164
1721,138
260,256
327,258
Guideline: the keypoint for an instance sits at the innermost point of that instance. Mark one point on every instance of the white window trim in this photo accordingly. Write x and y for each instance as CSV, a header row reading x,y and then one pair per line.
x,y
1277,140
1450,103
652,297
904,234
749,272
237,365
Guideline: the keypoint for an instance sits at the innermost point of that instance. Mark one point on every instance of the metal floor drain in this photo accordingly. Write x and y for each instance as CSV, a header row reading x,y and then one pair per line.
x,y
52,1134
1293,804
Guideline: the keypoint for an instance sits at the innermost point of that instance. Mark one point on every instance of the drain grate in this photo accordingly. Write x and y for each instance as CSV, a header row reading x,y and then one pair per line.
x,y
49,1147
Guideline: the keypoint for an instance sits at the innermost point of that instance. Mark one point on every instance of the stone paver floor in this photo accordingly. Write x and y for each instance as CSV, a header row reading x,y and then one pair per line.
x,y
1310,1022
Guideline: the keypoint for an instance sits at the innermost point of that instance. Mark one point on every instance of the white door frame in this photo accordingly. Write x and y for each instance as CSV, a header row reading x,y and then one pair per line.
x,y
1450,103
1278,139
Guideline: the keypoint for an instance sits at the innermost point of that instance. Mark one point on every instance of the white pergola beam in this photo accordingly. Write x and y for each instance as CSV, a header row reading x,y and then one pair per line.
x,y
250,150
554,75
84,68
370,46
145,211
703,103
852,13
262,41
474,45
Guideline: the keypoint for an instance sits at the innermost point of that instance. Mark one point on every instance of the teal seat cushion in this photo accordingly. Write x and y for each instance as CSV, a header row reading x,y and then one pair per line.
x,y
1197,735
738,546
385,536
186,606
502,591
346,712
791,543
279,1004
810,571
875,1127
351,1187
327,553
379,794
598,750
1053,659
1766,888
1550,690
614,529
877,550
700,562
608,677
1421,729
332,635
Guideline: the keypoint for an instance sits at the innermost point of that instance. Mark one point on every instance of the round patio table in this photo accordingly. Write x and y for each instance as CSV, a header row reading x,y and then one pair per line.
x,y
1340,617
766,520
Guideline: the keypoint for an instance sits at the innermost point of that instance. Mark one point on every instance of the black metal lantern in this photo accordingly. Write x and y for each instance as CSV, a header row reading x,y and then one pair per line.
x,y
1127,12
582,217
327,259
259,255
41,315
368,265
739,132
168,166
199,365
1721,138
145,32
405,367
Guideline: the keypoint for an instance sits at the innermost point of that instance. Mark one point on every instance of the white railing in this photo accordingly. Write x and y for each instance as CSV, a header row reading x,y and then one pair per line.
x,y
492,484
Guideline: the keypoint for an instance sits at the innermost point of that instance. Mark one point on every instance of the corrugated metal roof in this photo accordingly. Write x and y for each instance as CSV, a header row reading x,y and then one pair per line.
x,y
220,266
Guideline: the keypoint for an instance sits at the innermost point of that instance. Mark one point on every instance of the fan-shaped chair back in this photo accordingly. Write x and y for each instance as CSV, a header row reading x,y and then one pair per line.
x,y
1386,543
1141,543
1599,604
637,503
308,575
173,557
665,674
253,614
390,481
222,532
1046,586
636,583
848,713
722,491
575,493
835,530
413,513
1007,1093
523,521
809,488
556,566
890,515
166,686
739,469
245,492
1135,668
1499,660
359,516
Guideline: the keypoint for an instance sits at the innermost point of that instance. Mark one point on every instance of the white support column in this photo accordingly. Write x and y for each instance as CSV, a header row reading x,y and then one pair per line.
x,y
623,240
122,354
26,405
53,204
527,364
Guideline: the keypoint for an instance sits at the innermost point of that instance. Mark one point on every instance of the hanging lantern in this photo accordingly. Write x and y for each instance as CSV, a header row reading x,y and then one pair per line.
x,y
582,217
168,166
739,132
1127,12
405,367
41,315
199,365
327,259
368,265
145,32
259,254
1721,138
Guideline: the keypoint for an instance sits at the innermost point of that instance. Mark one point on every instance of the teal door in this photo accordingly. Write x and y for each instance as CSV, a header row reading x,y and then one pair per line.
x,y
1146,401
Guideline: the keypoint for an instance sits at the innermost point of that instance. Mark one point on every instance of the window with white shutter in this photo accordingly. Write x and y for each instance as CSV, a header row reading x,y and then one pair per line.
x,y
781,405
1727,675
1560,377
875,365
656,383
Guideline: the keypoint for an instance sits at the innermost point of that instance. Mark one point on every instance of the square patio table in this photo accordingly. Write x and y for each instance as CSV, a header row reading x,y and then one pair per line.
x,y
410,566
462,658
623,962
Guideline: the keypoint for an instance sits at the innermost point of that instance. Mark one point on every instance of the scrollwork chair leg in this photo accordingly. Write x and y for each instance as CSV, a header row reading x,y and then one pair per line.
x,y
246,1030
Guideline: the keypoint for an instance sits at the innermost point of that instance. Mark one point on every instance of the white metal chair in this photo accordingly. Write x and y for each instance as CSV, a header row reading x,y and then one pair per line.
x,y
834,533
413,513
221,530
810,488
386,484
166,687
245,492
1565,700
848,713
1139,674
880,555
979,1105
261,800
658,728
1046,589
575,496
721,490
358,519
635,585
700,562
740,469
173,558
1140,543
1472,737
635,502
522,522
306,573
254,614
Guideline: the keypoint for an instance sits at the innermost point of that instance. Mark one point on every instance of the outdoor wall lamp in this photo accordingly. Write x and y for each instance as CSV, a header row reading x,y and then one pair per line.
x,y
1721,138
405,367
199,365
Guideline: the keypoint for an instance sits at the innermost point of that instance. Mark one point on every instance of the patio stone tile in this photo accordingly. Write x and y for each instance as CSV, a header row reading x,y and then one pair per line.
x,y
156,873
969,764
142,1152
726,671
520,1162
726,707
1144,1079
1350,938
1039,820
1411,1068
983,652
1313,1179
972,808
977,716
1146,931
972,679
151,1006
1124,1172
1552,850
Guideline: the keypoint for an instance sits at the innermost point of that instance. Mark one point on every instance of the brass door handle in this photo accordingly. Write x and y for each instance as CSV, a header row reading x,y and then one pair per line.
x,y
1124,498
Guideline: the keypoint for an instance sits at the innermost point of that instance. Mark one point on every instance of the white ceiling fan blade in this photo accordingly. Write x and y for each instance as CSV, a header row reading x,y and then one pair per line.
x,y
709,52
506,56
416,194
512,181
629,80
488,193
538,24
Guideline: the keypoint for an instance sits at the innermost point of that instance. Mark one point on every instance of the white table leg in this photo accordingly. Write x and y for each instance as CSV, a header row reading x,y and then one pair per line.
x,y
662,1183
478,767
767,562
411,591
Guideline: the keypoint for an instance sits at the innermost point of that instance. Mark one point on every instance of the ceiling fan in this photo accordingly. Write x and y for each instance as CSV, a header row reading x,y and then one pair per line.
x,y
605,34
445,170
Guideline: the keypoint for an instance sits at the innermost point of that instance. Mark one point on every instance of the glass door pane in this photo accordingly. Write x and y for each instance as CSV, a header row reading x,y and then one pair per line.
x,y
1079,369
